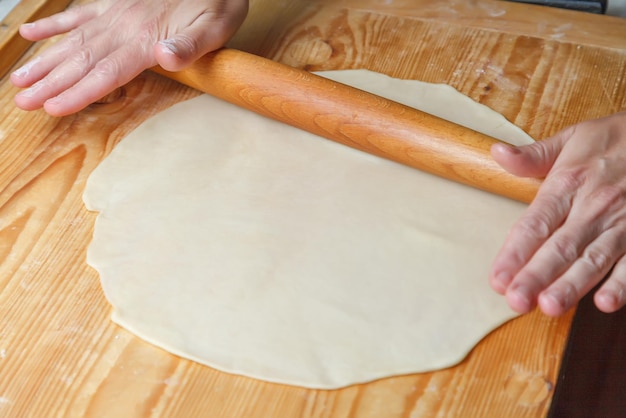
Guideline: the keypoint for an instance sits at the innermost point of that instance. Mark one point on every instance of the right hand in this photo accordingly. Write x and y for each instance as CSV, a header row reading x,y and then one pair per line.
x,y
573,234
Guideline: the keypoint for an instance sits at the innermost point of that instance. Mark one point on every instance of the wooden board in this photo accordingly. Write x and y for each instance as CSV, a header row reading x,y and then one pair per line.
x,y
12,44
60,356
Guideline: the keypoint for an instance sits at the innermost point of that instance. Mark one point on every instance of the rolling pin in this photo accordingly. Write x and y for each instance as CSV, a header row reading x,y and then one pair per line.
x,y
354,118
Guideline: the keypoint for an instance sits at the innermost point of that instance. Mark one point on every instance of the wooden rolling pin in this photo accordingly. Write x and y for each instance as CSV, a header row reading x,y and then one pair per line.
x,y
355,118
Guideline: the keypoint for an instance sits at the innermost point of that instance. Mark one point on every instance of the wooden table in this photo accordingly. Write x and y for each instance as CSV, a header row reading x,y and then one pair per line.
x,y
60,356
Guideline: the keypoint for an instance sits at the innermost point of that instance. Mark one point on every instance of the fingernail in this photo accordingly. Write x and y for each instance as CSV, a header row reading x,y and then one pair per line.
x,y
513,150
24,70
170,45
26,93
31,91
555,303
28,25
21,72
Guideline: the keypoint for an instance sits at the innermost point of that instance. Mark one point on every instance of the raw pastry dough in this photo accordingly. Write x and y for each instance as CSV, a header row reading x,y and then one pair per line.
x,y
263,250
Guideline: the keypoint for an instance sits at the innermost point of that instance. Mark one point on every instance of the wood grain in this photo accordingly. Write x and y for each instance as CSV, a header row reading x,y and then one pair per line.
x,y
12,44
60,356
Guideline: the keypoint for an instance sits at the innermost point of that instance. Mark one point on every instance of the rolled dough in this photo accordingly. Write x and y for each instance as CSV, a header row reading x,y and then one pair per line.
x,y
262,250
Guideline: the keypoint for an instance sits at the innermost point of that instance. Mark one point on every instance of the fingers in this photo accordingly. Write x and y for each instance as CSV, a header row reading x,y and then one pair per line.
x,y
111,41
58,74
575,257
40,66
542,218
78,43
612,294
587,270
554,264
556,239
74,73
210,31
574,232
115,70
548,263
59,23
91,50
533,160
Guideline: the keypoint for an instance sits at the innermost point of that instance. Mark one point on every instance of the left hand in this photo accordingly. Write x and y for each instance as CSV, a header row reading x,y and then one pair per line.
x,y
574,232
109,42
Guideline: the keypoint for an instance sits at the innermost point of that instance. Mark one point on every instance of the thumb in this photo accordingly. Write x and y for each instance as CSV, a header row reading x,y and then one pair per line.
x,y
534,160
210,31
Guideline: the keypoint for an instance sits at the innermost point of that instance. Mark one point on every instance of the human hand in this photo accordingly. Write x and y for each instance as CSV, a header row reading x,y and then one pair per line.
x,y
574,232
109,42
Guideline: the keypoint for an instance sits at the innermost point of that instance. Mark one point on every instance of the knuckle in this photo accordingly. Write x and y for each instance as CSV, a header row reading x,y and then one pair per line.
x,y
598,259
531,275
76,38
188,44
83,58
568,180
568,294
541,150
145,37
609,196
107,68
147,31
565,248
534,226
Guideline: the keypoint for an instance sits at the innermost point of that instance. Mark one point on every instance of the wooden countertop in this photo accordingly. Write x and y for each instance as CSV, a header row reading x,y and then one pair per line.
x,y
60,356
